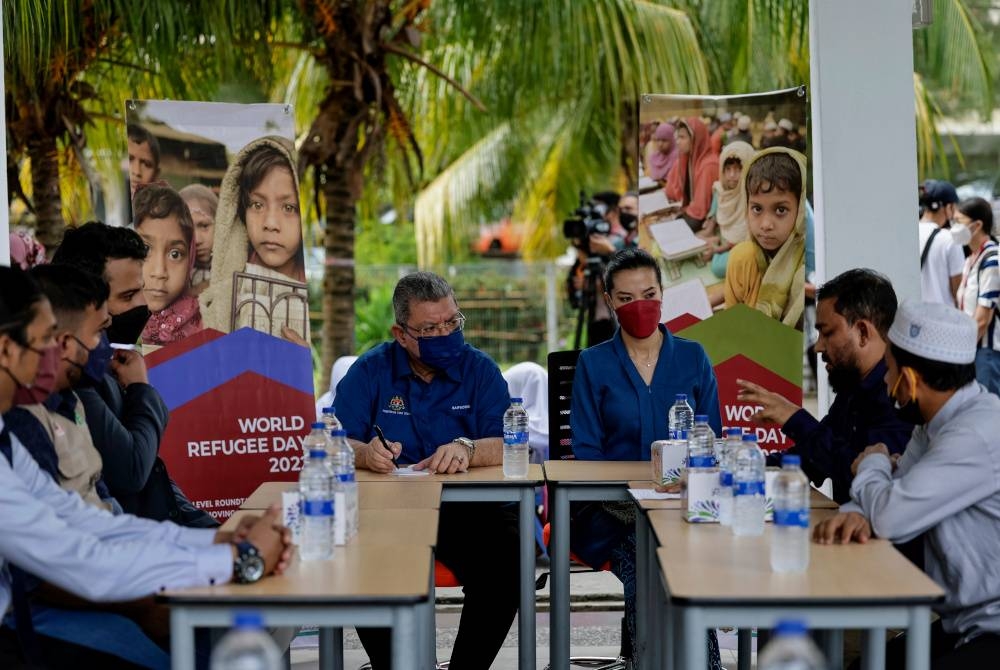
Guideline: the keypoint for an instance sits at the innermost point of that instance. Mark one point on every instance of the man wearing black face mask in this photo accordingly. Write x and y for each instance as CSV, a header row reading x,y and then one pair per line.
x,y
126,416
440,405
853,314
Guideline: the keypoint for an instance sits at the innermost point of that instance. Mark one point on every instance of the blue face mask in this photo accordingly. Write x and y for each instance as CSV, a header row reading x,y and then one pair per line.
x,y
98,360
443,351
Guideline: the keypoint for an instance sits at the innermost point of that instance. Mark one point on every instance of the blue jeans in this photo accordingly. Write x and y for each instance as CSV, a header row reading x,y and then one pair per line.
x,y
988,369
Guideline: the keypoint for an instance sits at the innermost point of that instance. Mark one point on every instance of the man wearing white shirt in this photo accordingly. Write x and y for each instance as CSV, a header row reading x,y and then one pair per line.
x,y
53,534
941,260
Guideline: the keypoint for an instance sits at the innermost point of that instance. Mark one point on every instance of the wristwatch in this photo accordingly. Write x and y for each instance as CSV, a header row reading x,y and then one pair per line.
x,y
468,444
249,564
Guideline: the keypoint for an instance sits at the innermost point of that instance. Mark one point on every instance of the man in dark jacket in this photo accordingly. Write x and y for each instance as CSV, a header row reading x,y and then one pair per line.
x,y
853,313
127,416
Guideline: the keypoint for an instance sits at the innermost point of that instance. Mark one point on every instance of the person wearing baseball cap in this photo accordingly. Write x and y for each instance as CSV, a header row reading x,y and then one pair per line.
x,y
945,486
941,260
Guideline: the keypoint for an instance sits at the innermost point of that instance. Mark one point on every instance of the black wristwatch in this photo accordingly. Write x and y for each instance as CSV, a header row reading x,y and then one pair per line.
x,y
249,564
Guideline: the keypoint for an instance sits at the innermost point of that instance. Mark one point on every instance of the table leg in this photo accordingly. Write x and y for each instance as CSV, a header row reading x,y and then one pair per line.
x,y
873,656
331,648
644,593
405,639
833,647
559,562
181,639
918,639
526,611
744,648
694,648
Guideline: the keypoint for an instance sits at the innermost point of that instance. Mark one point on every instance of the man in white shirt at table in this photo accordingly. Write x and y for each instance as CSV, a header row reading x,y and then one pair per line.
x,y
54,535
946,485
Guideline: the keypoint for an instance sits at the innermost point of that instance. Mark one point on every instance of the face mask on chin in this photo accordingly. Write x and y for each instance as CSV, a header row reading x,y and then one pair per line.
x,y
45,379
127,326
910,410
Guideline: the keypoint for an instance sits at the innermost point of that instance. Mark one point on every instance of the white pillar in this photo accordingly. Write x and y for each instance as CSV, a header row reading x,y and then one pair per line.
x,y
864,146
4,209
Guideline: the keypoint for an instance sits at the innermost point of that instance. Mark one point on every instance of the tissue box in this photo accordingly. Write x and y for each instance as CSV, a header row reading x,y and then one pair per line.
x,y
291,513
669,457
700,501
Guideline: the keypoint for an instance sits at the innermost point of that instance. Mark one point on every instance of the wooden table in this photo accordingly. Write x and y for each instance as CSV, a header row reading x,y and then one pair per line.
x,y
381,527
713,578
362,585
577,481
396,494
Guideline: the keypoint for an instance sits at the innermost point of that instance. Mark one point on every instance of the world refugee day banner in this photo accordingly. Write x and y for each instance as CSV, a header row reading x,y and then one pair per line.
x,y
215,197
723,204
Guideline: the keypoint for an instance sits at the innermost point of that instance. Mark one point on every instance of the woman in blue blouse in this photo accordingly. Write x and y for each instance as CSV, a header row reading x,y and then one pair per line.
x,y
622,392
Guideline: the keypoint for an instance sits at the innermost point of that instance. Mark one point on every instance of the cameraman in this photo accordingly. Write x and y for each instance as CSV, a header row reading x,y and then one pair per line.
x,y
593,251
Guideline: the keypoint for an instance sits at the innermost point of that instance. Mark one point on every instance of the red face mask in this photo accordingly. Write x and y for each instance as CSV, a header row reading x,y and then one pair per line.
x,y
639,318
45,379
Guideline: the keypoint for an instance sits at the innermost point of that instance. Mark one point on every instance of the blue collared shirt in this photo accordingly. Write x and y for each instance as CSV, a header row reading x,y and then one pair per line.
x,y
466,400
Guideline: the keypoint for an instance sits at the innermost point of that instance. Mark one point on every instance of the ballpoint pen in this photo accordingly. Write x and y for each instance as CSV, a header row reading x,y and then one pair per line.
x,y
381,438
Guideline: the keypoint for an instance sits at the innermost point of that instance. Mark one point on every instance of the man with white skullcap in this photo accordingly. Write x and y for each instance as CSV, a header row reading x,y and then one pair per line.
x,y
945,486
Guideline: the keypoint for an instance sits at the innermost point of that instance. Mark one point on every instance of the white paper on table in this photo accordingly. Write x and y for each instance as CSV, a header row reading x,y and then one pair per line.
x,y
652,494
688,297
408,471
647,184
655,201
675,238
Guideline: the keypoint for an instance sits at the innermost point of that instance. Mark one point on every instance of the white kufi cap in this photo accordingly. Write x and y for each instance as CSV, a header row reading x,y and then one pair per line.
x,y
935,331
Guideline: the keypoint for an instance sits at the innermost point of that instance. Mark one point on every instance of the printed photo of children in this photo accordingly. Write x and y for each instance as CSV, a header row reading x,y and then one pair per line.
x,y
232,169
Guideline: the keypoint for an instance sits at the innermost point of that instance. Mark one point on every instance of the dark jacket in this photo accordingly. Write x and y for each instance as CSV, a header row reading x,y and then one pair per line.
x,y
127,426
858,418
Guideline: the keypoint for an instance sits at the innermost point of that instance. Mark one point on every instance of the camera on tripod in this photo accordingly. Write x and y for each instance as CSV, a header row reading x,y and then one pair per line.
x,y
587,219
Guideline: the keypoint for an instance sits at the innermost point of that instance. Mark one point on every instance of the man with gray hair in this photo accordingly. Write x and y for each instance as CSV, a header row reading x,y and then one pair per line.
x,y
945,486
439,403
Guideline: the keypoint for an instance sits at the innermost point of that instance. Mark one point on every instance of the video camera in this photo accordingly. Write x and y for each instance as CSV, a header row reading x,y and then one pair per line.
x,y
587,219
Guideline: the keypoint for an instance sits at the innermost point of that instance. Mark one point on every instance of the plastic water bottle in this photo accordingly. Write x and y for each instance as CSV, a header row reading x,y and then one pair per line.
x,y
317,487
790,536
748,488
790,649
330,420
341,459
515,440
316,439
734,436
681,417
701,444
247,646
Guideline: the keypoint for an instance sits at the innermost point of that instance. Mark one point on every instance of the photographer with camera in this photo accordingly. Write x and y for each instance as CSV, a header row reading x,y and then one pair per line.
x,y
598,228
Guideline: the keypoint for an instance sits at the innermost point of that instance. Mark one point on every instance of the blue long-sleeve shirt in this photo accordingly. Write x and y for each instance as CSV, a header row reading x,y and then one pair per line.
x,y
858,418
615,416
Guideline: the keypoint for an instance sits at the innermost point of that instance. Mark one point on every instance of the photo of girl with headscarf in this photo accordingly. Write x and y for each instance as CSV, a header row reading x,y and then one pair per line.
x,y
767,271
728,218
690,180
258,232
164,223
663,155
203,204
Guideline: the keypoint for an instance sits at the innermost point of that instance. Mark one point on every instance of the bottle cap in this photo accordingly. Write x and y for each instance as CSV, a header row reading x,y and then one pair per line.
x,y
317,453
790,628
248,620
330,410
734,432
701,418
788,460
682,396
749,437
338,432
318,424
516,400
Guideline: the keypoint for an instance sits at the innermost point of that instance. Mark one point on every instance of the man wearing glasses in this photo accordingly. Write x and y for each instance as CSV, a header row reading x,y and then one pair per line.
x,y
440,403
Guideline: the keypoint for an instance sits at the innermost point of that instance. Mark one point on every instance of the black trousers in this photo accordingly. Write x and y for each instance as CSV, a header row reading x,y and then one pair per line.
x,y
479,543
55,654
981,651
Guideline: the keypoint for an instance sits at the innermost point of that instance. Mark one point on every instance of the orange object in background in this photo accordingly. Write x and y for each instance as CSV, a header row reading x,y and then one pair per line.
x,y
501,239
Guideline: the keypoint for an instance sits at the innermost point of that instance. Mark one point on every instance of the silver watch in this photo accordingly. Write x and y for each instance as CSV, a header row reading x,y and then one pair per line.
x,y
468,444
